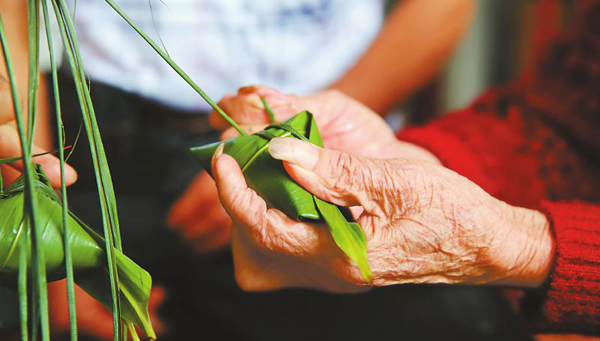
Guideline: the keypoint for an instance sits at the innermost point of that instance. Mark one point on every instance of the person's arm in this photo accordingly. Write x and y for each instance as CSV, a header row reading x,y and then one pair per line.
x,y
510,148
423,224
416,39
14,16
535,139
570,299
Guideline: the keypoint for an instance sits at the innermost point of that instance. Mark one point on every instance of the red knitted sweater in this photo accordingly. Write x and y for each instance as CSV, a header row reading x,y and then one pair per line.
x,y
536,144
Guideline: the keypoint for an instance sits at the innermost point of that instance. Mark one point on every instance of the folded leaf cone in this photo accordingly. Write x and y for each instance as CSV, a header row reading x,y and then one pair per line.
x,y
87,251
268,178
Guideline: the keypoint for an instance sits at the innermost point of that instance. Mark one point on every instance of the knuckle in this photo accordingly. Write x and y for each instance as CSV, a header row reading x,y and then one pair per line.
x,y
248,212
238,200
347,271
347,174
244,281
261,239
248,89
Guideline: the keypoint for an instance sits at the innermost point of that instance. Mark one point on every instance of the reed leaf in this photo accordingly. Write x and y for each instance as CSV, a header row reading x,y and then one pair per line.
x,y
63,244
33,32
63,188
40,297
101,170
269,179
38,311
269,110
22,284
174,66
87,247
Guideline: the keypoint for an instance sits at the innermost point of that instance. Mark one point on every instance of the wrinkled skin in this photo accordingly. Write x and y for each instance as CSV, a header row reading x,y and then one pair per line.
x,y
344,123
424,224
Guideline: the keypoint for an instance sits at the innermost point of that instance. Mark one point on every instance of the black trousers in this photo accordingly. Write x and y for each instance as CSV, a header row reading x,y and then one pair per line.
x,y
146,145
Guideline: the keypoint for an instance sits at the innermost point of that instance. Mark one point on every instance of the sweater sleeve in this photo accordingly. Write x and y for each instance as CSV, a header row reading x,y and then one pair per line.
x,y
513,153
507,146
525,162
538,141
572,293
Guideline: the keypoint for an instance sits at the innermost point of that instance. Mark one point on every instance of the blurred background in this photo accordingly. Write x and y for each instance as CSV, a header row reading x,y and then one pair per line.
x,y
500,44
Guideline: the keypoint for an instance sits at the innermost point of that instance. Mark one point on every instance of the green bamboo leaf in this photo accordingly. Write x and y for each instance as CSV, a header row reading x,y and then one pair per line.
x,y
349,237
87,247
268,178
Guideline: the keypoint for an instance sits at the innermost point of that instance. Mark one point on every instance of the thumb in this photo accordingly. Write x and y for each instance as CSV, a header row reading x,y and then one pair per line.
x,y
337,177
235,195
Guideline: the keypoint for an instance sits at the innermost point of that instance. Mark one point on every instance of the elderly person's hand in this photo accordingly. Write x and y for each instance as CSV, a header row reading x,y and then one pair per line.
x,y
423,223
345,125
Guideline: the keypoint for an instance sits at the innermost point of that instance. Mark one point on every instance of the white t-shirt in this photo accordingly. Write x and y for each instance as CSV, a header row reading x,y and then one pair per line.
x,y
297,46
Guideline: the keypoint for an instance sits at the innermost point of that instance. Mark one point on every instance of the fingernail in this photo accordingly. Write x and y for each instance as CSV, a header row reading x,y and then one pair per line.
x,y
216,155
295,151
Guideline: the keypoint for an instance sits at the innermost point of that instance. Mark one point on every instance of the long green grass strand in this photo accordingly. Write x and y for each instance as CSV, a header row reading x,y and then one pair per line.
x,y
85,105
30,199
33,33
269,110
22,283
175,67
63,187
107,187
33,76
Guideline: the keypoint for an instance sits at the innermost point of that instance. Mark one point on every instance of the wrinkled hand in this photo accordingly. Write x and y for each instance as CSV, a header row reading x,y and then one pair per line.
x,y
10,147
423,223
93,319
345,124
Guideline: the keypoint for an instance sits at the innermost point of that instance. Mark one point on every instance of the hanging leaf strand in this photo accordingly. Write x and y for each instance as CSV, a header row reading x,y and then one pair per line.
x,y
109,220
175,67
40,297
63,187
